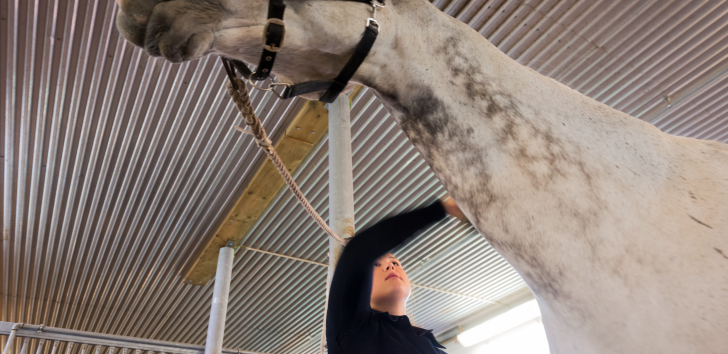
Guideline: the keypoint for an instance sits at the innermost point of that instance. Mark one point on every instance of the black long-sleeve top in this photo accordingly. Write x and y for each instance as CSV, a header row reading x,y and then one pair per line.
x,y
352,326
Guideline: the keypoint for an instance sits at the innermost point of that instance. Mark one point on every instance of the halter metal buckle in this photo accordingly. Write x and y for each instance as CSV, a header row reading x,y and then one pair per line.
x,y
374,21
271,86
270,47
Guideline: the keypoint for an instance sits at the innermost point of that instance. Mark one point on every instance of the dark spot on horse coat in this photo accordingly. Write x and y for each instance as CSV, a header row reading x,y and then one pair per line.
x,y
699,222
720,251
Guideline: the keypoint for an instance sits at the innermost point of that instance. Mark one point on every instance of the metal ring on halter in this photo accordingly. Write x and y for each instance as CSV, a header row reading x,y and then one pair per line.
x,y
250,81
270,87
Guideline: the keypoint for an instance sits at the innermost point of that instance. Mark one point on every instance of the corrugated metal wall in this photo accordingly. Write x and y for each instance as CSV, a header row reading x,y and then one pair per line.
x,y
116,165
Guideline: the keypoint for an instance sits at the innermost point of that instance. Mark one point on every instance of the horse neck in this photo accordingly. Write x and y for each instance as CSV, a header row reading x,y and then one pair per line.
x,y
530,161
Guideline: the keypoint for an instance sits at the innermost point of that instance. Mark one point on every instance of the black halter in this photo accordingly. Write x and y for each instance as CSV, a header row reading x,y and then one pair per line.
x,y
274,34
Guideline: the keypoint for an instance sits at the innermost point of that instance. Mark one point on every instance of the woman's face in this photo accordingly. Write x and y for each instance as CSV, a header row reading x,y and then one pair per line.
x,y
390,285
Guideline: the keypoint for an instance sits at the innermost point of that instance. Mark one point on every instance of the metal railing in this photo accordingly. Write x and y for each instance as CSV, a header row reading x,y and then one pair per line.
x,y
65,341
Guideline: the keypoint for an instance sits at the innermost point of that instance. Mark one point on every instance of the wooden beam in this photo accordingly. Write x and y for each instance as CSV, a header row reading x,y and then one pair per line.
x,y
306,129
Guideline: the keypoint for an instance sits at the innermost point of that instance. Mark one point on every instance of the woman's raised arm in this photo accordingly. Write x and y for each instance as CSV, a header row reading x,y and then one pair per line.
x,y
349,297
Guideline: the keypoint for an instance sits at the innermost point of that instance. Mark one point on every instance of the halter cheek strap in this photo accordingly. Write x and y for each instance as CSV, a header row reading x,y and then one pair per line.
x,y
336,86
274,34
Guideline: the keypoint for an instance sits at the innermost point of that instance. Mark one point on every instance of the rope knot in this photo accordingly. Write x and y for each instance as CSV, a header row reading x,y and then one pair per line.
x,y
264,143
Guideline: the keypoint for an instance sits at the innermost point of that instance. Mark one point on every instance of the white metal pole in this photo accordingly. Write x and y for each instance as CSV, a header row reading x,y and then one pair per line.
x,y
341,183
11,338
69,348
341,179
220,294
54,350
24,348
39,350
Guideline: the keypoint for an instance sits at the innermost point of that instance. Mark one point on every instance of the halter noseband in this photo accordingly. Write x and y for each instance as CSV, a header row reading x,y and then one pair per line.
x,y
274,33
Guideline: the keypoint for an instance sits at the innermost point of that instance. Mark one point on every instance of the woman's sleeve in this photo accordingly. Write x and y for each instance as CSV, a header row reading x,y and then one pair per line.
x,y
351,287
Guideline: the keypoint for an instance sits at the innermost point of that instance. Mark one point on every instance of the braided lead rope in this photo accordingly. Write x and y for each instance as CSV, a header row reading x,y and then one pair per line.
x,y
242,102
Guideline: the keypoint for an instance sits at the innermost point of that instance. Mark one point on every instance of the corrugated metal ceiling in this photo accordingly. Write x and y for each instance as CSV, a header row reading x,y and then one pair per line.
x,y
117,164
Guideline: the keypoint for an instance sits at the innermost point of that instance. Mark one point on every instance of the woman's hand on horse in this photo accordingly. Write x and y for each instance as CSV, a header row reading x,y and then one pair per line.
x,y
452,209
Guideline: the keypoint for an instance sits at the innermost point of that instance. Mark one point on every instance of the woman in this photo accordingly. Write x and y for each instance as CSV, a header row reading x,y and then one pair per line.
x,y
367,306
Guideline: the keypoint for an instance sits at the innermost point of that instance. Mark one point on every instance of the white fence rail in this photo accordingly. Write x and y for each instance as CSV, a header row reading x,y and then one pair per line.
x,y
63,341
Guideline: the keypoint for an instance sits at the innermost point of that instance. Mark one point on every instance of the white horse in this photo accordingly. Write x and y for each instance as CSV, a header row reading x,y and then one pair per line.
x,y
621,231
